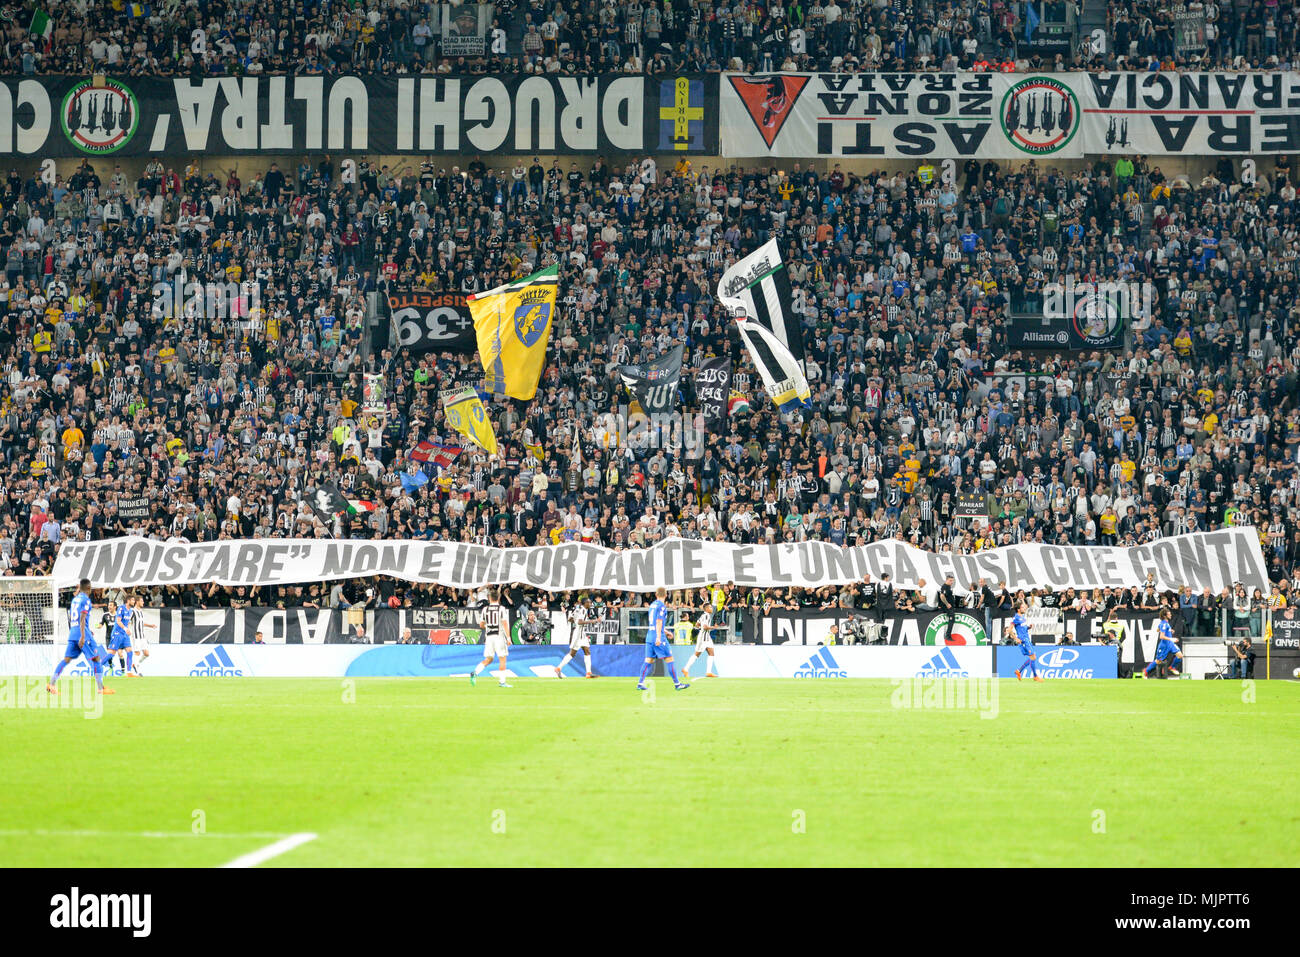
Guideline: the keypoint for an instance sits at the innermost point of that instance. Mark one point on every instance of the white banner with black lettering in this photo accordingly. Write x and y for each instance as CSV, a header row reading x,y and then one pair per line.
x,y
1205,559
1008,116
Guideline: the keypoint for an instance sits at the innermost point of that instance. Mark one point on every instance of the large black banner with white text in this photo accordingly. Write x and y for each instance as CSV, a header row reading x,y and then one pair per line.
x,y
61,116
274,626
653,384
424,321
855,626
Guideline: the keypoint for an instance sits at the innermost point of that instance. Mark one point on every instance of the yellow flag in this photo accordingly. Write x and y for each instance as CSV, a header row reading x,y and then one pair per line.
x,y
465,414
513,323
535,450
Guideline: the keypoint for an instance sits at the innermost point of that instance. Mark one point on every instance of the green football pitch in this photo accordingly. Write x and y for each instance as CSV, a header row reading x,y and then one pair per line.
x,y
433,772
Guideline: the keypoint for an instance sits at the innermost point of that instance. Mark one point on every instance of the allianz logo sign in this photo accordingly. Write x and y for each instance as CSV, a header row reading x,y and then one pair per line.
x,y
218,664
1058,661
820,665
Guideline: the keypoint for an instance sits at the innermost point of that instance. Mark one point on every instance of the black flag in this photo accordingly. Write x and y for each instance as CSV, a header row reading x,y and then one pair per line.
x,y
654,384
327,501
713,388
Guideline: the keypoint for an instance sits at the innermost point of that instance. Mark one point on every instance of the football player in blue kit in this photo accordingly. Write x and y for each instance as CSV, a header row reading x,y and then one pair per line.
x,y
81,641
119,642
1166,648
656,642
1020,627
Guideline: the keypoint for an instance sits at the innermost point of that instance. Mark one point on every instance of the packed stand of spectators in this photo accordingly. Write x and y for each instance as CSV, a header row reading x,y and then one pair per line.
x,y
240,37
1231,34
904,286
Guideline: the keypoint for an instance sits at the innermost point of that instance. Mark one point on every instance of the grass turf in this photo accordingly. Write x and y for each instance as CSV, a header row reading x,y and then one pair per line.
x,y
430,772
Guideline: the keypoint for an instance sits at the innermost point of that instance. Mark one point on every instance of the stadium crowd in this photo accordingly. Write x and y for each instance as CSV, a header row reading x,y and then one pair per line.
x,y
198,38
905,288
118,387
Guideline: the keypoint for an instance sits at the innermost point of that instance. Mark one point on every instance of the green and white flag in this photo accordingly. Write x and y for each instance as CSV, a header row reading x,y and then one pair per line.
x,y
42,25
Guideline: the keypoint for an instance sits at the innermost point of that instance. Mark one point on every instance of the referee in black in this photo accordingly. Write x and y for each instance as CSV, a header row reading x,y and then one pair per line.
x,y
948,603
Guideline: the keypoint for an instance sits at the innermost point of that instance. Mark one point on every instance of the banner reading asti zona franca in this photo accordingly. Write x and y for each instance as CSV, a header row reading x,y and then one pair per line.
x,y
1008,116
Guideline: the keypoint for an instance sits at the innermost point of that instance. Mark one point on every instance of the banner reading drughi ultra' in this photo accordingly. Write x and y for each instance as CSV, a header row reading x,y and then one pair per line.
x,y
1008,116
60,116
1205,559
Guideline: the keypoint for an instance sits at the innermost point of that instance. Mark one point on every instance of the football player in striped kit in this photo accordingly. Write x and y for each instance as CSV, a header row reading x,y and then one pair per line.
x,y
579,638
703,643
139,643
496,644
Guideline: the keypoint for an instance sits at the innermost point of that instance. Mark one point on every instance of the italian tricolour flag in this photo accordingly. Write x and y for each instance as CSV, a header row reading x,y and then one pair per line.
x,y
42,25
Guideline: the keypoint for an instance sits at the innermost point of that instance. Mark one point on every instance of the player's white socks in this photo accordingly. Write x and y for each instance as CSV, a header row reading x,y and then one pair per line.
x,y
708,664
690,663
566,659
479,669
587,661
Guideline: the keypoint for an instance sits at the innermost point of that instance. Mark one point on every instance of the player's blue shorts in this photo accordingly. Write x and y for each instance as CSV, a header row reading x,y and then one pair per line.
x,y
119,641
92,648
1027,649
658,651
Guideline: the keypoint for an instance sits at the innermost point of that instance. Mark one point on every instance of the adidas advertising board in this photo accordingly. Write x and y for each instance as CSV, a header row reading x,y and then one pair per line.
x,y
1008,116
1213,560
821,664
216,664
814,663
803,662
841,661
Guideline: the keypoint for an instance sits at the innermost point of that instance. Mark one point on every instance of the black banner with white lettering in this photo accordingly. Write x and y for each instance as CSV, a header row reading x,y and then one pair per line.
x,y
653,384
434,626
782,626
58,116
133,508
278,626
424,321
712,389
1066,334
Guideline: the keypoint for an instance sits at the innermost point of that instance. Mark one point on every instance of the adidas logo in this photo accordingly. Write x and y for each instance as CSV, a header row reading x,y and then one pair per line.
x,y
820,665
943,665
219,664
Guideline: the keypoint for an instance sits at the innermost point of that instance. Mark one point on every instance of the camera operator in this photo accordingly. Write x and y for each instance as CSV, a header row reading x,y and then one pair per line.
x,y
1112,630
1241,658
534,631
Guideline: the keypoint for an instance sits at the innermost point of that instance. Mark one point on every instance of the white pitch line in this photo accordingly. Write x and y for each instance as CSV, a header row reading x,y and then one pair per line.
x,y
533,705
45,832
271,850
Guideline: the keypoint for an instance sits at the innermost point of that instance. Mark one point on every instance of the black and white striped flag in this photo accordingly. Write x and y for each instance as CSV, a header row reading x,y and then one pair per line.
x,y
756,291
